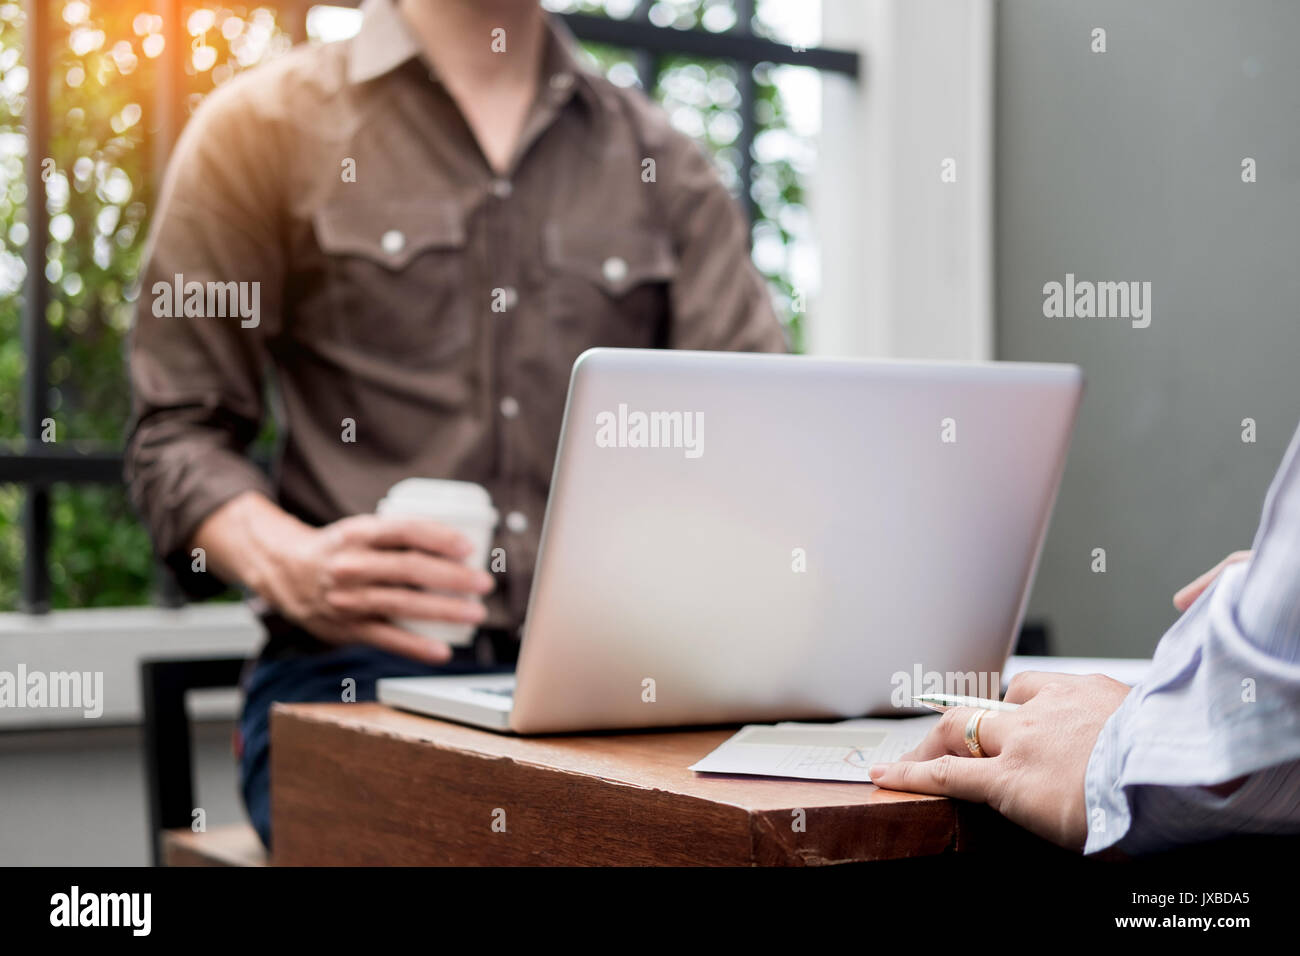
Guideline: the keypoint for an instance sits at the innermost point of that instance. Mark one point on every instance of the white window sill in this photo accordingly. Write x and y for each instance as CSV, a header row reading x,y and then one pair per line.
x,y
113,641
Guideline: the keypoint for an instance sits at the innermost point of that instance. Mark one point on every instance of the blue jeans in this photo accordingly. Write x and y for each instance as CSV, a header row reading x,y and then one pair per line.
x,y
311,678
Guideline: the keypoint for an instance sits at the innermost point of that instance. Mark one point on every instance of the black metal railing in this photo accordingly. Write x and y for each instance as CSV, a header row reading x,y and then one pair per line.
x,y
36,466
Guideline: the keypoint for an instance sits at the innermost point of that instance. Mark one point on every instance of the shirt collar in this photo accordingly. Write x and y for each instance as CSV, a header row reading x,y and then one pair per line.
x,y
385,41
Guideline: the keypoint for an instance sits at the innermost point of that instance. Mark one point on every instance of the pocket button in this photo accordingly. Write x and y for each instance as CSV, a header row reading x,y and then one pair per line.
x,y
614,269
392,242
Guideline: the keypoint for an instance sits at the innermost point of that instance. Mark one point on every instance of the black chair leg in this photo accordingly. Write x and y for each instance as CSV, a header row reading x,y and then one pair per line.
x,y
168,763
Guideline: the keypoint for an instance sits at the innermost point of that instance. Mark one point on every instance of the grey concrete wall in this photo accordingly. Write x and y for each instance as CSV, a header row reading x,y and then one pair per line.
x,y
77,797
1126,165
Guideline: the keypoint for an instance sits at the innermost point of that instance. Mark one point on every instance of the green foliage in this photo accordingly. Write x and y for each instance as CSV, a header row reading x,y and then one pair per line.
x,y
99,553
99,188
11,546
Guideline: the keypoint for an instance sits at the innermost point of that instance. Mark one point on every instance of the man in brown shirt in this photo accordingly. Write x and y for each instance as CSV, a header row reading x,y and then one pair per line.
x,y
406,238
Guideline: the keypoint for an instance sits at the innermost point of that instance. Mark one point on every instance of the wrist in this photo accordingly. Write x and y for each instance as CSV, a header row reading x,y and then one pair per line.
x,y
246,540
271,535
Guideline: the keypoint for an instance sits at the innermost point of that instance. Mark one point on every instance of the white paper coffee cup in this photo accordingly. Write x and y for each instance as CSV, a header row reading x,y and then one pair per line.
x,y
462,505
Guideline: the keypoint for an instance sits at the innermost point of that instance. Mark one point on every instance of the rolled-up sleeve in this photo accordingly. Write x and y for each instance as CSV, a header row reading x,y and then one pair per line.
x,y
1221,702
197,379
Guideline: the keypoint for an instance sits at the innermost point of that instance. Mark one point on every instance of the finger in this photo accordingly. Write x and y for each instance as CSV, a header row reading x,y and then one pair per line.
x,y
389,637
379,601
411,568
1188,594
966,778
1027,684
949,735
421,534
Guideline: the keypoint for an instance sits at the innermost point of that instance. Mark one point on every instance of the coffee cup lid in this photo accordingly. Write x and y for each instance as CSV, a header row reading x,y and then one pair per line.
x,y
421,493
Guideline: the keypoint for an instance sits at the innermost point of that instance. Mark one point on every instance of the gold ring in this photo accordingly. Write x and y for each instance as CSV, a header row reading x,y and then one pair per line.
x,y
973,734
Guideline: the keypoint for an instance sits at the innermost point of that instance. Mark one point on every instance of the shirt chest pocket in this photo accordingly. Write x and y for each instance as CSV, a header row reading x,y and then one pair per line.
x,y
395,272
607,288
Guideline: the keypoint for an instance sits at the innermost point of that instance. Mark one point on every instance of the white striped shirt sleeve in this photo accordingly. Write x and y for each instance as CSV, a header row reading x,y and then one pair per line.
x,y
1221,701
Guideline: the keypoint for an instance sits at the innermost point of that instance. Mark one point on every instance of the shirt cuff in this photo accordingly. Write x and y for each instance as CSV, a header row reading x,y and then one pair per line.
x,y
1109,814
180,499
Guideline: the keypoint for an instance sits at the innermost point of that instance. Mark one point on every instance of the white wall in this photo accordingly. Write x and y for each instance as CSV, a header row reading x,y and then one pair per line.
x,y
906,258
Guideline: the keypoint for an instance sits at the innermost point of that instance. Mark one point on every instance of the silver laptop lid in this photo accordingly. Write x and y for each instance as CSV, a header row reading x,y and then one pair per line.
x,y
739,537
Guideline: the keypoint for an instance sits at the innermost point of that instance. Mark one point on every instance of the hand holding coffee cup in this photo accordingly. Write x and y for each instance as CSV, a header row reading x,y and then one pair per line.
x,y
349,581
462,506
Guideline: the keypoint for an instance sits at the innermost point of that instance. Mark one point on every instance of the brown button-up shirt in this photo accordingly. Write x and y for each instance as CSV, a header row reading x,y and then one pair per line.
x,y
330,235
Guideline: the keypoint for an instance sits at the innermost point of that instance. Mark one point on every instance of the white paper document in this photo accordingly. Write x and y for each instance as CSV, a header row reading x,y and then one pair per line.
x,y
843,751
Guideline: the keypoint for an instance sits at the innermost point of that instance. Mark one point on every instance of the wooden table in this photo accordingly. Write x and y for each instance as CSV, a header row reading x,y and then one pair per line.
x,y
359,784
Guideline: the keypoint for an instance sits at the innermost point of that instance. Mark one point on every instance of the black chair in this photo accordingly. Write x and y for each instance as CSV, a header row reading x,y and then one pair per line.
x,y
1035,640
168,764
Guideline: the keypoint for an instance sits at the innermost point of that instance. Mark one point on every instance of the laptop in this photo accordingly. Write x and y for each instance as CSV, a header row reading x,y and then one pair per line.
x,y
744,538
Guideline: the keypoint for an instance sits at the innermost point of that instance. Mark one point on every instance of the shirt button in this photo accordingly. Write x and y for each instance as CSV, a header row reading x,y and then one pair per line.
x,y
501,188
561,82
516,522
509,407
614,269
393,242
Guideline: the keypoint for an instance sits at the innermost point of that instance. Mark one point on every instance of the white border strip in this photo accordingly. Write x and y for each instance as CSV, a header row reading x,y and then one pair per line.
x,y
114,640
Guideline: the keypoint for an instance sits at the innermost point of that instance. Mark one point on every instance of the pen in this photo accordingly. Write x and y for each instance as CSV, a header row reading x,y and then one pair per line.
x,y
942,702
